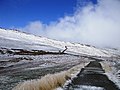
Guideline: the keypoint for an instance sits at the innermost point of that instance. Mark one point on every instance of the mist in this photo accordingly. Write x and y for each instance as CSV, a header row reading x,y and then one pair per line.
x,y
95,24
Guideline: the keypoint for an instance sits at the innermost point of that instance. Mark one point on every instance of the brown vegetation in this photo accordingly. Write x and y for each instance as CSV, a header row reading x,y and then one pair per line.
x,y
50,81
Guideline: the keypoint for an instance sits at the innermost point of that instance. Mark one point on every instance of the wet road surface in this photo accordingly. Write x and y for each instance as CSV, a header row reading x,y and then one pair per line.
x,y
91,76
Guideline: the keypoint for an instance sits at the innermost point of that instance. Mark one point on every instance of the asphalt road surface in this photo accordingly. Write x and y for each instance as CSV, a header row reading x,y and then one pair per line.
x,y
91,77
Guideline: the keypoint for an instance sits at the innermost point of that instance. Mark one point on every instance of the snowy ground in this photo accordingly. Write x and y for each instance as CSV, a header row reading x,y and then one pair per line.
x,y
112,72
18,68
13,71
16,39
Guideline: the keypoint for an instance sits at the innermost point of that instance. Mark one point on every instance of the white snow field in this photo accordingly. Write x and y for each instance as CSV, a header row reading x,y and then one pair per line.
x,y
15,68
16,39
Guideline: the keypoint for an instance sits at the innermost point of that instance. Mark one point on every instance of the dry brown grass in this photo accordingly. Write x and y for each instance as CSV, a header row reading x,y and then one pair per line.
x,y
49,81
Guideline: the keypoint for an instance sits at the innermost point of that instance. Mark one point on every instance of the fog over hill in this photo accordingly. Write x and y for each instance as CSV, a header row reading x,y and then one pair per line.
x,y
17,40
95,24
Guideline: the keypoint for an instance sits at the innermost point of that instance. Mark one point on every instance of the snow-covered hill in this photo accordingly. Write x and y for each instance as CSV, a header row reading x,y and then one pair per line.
x,y
21,58
19,40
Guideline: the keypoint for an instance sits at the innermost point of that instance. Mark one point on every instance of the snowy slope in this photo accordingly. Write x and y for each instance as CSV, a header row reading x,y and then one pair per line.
x,y
16,39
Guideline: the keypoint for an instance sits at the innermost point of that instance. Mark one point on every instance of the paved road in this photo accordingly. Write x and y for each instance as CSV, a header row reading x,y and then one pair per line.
x,y
91,77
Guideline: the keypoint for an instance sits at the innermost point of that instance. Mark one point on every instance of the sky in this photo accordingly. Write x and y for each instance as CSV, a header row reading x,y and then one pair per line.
x,y
94,22
18,13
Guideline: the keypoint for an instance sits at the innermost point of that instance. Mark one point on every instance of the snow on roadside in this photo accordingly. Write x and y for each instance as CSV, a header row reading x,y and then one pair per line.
x,y
73,73
111,72
50,81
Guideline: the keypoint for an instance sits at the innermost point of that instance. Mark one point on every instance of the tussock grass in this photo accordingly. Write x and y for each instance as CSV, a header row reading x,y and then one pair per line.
x,y
49,81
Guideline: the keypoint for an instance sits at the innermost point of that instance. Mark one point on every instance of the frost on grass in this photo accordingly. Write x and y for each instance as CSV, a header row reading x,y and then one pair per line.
x,y
50,81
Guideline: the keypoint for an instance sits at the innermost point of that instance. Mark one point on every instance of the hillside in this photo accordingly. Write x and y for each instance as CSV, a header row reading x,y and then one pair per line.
x,y
12,39
25,56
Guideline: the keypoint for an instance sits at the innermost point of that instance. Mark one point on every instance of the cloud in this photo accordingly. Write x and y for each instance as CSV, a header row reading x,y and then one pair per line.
x,y
35,27
95,24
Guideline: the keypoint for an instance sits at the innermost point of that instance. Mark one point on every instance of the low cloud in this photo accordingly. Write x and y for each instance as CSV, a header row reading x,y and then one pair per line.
x,y
97,25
